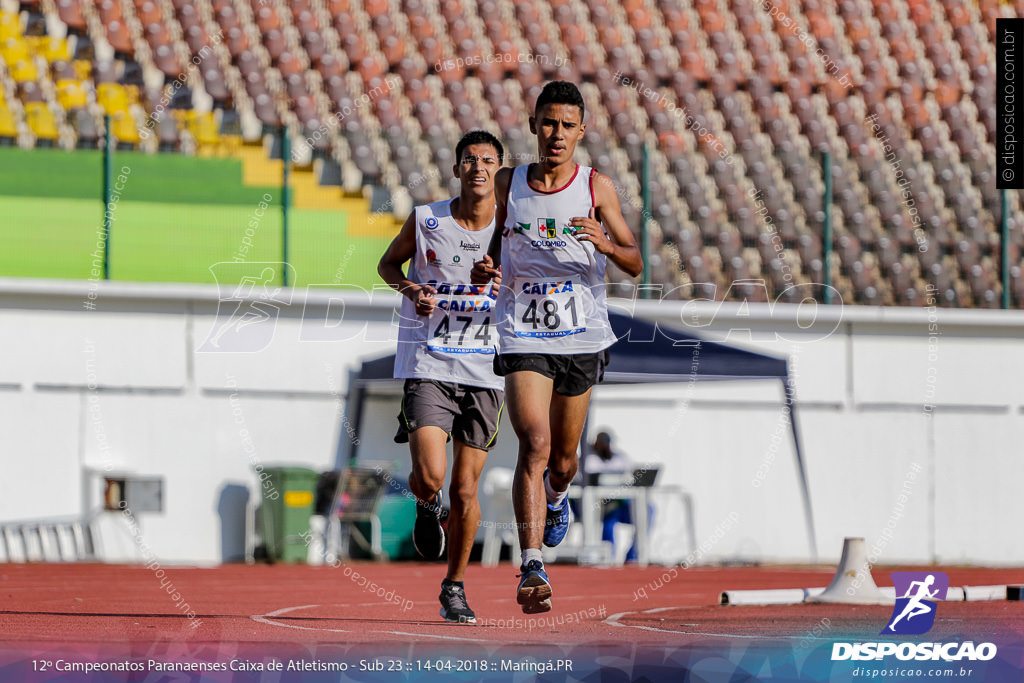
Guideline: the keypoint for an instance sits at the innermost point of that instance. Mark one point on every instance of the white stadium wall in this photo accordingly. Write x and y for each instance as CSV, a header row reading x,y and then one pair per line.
x,y
911,434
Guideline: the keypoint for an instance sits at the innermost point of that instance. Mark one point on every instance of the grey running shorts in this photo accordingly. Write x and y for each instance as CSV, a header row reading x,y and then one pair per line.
x,y
469,414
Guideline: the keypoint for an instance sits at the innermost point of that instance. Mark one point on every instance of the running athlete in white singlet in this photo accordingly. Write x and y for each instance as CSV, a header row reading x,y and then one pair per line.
x,y
457,341
447,340
560,223
553,301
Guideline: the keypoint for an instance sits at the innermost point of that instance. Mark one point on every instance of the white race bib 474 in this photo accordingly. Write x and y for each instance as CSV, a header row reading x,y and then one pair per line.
x,y
463,322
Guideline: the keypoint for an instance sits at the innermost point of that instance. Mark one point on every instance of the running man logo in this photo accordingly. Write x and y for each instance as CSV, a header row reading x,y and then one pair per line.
x,y
547,227
249,303
914,612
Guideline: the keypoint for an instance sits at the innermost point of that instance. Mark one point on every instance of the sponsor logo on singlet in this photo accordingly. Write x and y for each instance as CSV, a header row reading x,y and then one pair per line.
x,y
547,229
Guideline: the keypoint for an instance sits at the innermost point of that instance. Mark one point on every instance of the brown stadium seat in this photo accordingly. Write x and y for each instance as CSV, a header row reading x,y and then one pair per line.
x,y
266,18
70,12
227,18
312,41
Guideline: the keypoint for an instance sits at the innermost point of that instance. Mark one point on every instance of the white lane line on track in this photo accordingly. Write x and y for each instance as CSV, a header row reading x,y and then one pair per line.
x,y
613,620
286,610
431,635
266,619
269,616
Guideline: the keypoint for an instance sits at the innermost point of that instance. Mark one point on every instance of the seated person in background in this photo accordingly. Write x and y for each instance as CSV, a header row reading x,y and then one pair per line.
x,y
603,460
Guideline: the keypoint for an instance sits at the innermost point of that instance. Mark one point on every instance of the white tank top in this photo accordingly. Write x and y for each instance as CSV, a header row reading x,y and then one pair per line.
x,y
552,299
457,342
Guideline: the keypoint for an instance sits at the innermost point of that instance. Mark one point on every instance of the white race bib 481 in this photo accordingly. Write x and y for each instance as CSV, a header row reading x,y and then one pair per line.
x,y
548,308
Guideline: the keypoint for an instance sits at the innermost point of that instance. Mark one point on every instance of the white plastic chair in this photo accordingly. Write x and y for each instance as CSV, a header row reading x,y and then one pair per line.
x,y
499,518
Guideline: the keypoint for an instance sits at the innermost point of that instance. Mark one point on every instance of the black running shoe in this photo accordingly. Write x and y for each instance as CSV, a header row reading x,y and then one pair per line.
x,y
428,534
454,607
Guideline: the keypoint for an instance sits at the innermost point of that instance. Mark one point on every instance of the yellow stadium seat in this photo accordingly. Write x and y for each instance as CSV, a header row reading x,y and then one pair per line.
x,y
10,26
40,119
205,129
83,69
124,129
24,71
112,97
180,117
57,50
52,49
14,49
186,119
71,94
8,126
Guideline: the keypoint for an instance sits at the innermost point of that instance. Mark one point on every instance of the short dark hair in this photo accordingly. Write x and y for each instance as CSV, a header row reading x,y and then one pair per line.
x,y
560,92
478,137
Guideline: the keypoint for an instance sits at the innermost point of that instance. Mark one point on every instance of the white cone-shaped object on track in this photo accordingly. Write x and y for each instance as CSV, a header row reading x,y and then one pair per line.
x,y
852,583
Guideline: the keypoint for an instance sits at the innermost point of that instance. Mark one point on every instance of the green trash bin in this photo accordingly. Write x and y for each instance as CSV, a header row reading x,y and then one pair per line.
x,y
397,519
288,496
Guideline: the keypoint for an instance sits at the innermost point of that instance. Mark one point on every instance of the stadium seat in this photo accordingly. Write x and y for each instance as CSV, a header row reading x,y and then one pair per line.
x,y
124,128
71,95
41,121
51,48
8,124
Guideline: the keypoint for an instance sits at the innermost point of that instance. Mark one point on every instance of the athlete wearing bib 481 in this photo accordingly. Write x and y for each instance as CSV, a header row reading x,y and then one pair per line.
x,y
446,345
554,283
559,224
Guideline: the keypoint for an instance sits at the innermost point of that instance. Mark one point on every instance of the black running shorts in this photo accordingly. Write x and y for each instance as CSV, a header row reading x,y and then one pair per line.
x,y
572,374
469,414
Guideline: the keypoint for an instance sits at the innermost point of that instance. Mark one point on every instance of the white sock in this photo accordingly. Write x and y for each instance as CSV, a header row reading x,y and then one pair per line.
x,y
554,497
532,554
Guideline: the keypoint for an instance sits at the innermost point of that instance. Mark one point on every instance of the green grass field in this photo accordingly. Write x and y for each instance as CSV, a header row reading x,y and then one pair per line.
x,y
176,217
151,178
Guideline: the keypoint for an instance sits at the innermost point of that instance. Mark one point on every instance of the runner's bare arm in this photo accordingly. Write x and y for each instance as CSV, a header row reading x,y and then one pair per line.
x,y
401,250
489,266
618,244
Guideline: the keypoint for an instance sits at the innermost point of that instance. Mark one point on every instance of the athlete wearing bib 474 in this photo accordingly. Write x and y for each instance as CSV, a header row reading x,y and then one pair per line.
x,y
446,345
560,223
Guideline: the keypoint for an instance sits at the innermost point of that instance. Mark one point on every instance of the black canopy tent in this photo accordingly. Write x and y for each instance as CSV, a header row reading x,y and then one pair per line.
x,y
646,352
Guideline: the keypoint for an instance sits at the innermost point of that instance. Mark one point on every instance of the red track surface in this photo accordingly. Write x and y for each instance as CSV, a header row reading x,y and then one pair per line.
x,y
282,604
